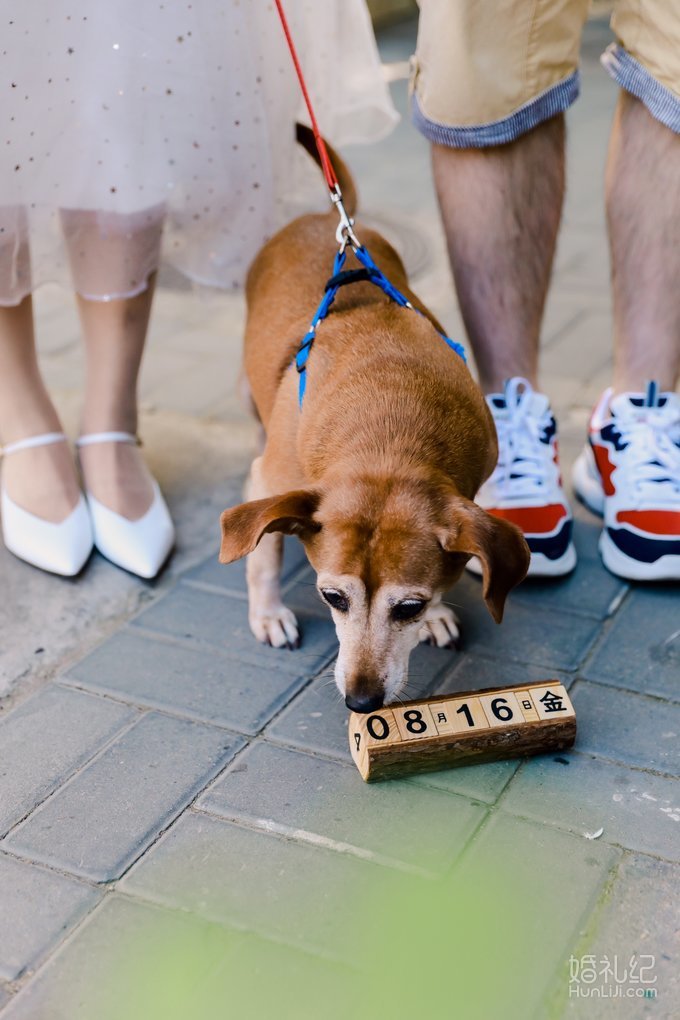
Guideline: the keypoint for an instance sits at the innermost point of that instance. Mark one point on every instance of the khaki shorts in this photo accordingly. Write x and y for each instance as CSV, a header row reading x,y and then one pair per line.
x,y
486,71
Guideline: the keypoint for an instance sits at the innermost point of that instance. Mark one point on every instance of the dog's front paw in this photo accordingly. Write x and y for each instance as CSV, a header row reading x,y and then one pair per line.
x,y
440,627
276,626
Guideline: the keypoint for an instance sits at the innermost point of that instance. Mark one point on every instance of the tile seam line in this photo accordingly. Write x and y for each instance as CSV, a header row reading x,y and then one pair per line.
x,y
198,644
566,611
466,848
551,672
107,890
302,837
110,882
111,698
603,685
192,643
553,1000
348,764
214,589
99,751
551,991
597,756
613,686
141,714
51,869
26,979
576,833
113,883
298,694
147,899
607,625
498,808
645,770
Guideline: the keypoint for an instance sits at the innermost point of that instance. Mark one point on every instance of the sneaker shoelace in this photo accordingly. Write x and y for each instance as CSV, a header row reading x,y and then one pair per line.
x,y
651,465
524,459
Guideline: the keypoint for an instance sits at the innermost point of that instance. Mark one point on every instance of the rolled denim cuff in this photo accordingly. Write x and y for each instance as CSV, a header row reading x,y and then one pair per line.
x,y
629,73
555,99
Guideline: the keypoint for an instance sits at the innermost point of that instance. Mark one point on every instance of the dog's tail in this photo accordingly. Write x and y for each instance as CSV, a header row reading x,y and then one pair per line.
x,y
305,137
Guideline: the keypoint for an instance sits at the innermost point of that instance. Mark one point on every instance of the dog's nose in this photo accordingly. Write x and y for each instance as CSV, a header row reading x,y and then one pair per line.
x,y
363,702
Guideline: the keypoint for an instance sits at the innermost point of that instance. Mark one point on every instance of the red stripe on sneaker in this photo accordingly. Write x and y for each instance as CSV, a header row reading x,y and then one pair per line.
x,y
605,467
533,520
654,522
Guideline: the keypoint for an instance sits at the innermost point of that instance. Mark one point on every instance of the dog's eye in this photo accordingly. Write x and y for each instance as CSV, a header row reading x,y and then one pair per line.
x,y
408,610
336,600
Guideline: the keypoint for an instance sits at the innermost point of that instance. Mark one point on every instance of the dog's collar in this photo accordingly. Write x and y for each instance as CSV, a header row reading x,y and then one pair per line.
x,y
340,278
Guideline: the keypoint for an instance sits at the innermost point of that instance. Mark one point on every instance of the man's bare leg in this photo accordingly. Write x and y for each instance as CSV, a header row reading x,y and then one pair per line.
x,y
501,209
643,215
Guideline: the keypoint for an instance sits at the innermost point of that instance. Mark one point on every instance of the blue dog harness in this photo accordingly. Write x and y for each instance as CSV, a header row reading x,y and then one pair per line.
x,y
340,278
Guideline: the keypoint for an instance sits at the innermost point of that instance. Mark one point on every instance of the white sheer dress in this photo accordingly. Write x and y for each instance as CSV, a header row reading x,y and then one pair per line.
x,y
135,131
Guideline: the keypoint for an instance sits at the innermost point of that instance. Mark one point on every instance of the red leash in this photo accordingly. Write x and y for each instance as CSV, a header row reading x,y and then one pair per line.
x,y
344,232
326,165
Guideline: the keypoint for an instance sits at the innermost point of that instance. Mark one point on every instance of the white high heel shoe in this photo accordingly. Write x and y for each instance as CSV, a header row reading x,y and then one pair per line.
x,y
61,548
140,546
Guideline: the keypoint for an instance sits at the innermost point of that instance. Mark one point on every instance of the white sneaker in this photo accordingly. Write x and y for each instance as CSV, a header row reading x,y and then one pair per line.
x,y
526,487
140,546
61,548
630,474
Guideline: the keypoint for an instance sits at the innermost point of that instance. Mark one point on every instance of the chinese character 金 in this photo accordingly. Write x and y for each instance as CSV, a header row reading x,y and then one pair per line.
x,y
552,702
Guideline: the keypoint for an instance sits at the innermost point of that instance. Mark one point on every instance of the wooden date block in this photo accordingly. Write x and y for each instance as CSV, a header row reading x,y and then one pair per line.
x,y
462,729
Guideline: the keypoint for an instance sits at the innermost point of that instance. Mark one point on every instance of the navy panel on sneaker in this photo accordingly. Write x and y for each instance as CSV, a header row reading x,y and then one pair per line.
x,y
646,550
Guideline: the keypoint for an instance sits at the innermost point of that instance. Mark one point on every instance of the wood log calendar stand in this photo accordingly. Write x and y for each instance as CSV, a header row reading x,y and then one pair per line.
x,y
462,729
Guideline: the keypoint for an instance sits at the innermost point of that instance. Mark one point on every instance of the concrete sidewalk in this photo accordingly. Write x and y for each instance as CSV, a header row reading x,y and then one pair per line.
x,y
182,832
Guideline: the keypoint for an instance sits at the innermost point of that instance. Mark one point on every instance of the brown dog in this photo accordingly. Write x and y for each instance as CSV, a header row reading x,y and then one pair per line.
x,y
376,473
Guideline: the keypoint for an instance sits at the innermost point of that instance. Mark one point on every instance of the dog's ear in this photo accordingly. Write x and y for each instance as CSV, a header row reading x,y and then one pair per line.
x,y
499,545
243,526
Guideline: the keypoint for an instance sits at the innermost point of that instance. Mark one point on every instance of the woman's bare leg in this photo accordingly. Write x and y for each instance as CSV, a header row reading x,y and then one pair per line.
x,y
111,257
115,334
42,481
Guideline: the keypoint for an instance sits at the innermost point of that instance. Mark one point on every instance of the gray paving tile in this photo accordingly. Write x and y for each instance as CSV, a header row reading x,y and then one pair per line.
x,y
232,576
195,682
4,996
638,919
587,525
532,890
127,960
474,672
315,721
637,810
44,740
135,961
222,622
628,727
38,908
550,639
414,825
125,797
262,979
257,881
426,669
589,590
478,782
642,647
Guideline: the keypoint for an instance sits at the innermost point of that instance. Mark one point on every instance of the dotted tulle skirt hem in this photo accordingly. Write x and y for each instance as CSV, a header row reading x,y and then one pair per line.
x,y
143,134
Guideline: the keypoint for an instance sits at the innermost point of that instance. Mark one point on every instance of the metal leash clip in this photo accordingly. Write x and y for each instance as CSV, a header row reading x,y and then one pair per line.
x,y
344,235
